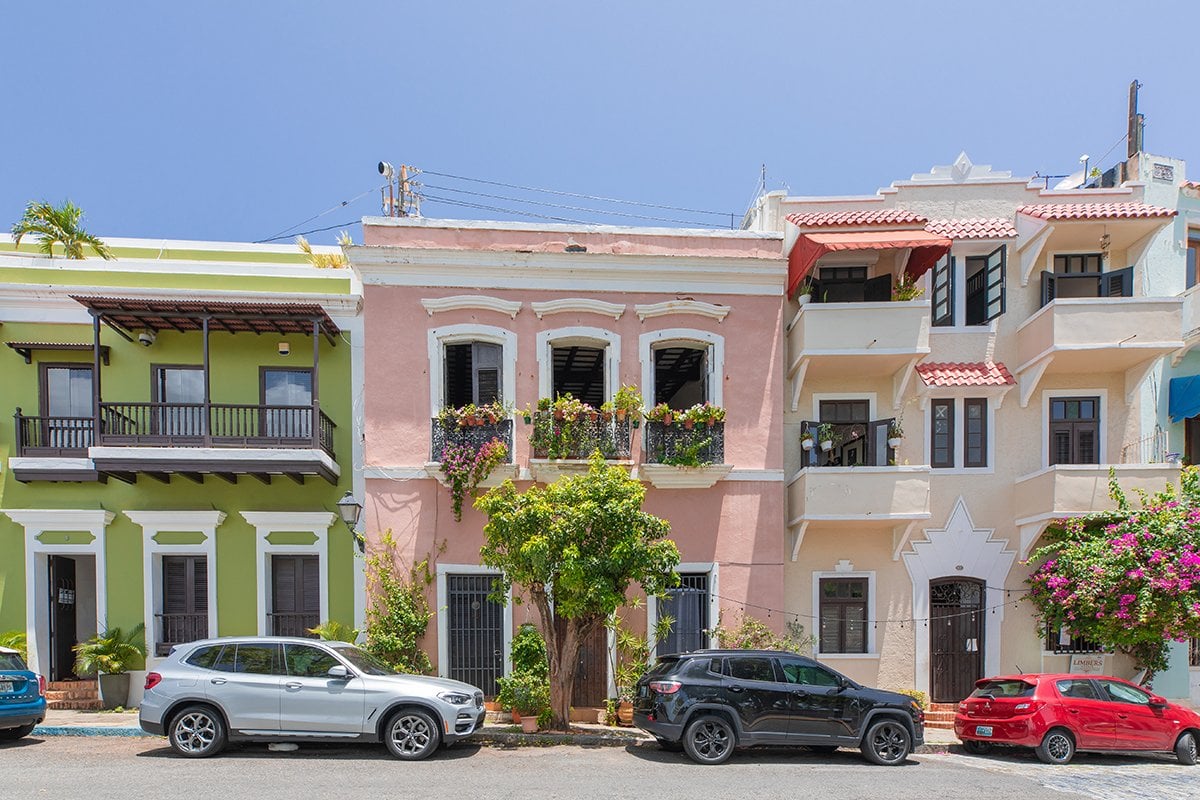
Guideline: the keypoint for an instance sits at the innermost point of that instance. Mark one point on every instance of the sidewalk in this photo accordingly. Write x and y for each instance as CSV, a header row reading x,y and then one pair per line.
x,y
125,723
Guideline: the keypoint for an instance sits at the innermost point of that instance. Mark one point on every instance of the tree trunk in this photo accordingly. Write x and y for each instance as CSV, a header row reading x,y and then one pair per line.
x,y
562,653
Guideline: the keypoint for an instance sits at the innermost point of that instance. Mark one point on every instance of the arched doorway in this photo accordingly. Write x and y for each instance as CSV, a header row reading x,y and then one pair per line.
x,y
956,617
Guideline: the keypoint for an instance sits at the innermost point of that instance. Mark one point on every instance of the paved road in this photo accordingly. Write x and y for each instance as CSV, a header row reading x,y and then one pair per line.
x,y
100,768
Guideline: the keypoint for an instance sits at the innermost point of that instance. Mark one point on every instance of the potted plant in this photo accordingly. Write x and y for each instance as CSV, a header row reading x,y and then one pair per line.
x,y
826,434
531,696
110,654
895,434
906,288
688,417
527,414
627,402
804,293
662,413
808,439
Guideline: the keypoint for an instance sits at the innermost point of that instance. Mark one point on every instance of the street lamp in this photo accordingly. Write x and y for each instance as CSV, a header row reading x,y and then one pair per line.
x,y
350,510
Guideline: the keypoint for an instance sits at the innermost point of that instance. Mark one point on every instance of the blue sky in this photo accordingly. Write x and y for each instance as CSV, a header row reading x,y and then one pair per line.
x,y
223,120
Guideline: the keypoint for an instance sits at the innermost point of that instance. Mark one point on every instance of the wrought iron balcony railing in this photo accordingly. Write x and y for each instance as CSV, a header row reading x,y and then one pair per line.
x,y
858,444
579,438
443,434
686,447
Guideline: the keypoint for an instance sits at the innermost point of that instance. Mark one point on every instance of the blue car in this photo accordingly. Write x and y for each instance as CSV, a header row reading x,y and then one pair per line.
x,y
22,696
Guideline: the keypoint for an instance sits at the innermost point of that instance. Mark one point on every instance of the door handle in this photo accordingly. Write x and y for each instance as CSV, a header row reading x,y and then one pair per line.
x,y
800,693
735,689
1073,710
1122,716
218,681
293,684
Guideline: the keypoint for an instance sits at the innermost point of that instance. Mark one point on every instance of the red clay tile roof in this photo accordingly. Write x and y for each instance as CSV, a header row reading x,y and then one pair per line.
x,y
881,216
1191,184
980,228
1055,211
979,373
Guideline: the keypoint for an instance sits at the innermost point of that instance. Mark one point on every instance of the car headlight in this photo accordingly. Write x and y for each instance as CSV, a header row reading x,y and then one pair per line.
x,y
455,698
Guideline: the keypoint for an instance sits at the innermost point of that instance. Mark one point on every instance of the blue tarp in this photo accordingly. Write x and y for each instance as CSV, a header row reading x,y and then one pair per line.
x,y
1184,398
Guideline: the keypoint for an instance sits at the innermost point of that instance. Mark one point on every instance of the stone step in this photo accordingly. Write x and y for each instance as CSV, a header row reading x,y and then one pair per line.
x,y
65,686
75,705
53,695
940,726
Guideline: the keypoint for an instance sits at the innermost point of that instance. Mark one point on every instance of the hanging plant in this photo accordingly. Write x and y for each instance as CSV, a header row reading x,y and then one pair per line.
x,y
465,468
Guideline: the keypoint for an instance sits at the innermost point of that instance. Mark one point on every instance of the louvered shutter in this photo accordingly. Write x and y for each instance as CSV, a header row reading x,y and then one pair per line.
x,y
174,576
942,295
1048,287
199,585
309,599
1119,283
994,284
283,581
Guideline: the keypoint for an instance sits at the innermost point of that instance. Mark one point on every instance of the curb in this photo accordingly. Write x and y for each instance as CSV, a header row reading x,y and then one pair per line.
x,y
89,730
548,739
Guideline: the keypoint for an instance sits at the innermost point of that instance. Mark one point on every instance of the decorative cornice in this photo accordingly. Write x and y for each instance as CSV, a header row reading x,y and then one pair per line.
x,y
582,305
315,521
663,476
471,301
177,521
61,519
710,310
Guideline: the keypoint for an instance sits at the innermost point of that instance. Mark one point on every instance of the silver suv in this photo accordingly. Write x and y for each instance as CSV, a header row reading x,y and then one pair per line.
x,y
269,689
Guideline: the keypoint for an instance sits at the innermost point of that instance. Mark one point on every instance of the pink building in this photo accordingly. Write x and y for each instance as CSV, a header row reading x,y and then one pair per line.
x,y
460,312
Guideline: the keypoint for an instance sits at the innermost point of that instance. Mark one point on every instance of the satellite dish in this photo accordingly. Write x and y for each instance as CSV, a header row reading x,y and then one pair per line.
x,y
1072,181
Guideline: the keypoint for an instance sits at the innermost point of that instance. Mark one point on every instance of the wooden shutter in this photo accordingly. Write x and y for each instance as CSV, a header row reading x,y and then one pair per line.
x,y
1119,283
941,444
994,288
975,433
1048,287
943,292
486,366
199,584
309,599
878,290
283,584
175,588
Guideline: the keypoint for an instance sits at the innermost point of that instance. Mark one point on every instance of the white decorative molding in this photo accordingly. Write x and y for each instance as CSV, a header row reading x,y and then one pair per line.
x,y
438,338
687,337
497,476
153,523
443,615
479,302
267,522
548,470
609,341
580,305
667,476
709,310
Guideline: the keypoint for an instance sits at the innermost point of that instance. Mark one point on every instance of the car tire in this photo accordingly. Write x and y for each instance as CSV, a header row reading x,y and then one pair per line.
x,y
668,745
709,740
1057,747
823,749
411,734
1185,749
9,734
887,743
976,747
197,732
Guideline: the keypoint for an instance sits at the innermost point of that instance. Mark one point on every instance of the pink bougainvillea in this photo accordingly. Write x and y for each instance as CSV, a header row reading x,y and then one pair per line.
x,y
466,467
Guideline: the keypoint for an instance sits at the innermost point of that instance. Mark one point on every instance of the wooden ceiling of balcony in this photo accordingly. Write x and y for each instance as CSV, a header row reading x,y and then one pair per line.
x,y
133,315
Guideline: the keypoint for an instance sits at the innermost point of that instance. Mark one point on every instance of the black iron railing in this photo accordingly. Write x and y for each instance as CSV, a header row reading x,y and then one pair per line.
x,y
176,629
688,447
857,444
63,437
294,624
443,434
553,437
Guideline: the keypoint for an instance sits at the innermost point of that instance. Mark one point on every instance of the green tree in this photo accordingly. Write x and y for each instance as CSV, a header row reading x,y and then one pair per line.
x,y
52,225
576,546
399,612
1129,579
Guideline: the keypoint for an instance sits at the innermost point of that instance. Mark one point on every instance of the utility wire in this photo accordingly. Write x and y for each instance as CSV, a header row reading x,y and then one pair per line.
x,y
577,194
314,230
466,204
597,211
284,233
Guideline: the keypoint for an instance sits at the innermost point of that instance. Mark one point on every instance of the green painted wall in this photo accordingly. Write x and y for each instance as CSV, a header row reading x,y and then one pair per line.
x,y
333,282
235,362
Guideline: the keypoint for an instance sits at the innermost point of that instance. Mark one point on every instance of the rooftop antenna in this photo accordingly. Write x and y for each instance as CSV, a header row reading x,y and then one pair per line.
x,y
1137,122
397,199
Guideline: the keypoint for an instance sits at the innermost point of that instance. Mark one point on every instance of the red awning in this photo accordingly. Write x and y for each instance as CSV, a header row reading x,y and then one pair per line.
x,y
927,248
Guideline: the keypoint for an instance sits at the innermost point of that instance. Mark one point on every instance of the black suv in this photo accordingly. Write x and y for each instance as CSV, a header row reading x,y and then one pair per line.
x,y
711,701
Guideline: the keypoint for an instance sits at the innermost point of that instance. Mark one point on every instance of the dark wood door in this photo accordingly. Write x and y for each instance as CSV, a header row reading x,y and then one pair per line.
x,y
295,594
591,669
955,637
63,634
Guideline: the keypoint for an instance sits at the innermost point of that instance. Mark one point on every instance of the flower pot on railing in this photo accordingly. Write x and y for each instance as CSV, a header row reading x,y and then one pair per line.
x,y
808,444
894,442
827,445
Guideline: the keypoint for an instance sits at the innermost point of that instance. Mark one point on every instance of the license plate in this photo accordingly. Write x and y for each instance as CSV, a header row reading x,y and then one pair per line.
x,y
983,730
6,686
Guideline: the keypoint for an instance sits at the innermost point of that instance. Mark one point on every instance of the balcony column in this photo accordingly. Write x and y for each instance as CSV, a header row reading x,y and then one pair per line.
x,y
207,395
315,426
95,378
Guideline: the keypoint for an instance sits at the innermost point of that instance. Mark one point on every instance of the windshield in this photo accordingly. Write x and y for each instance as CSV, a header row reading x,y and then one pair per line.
x,y
362,660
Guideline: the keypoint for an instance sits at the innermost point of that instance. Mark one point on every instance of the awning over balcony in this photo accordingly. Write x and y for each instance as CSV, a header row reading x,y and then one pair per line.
x,y
1184,399
926,248
127,316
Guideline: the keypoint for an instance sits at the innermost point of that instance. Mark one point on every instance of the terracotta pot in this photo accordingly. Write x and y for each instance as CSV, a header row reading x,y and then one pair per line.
x,y
529,724
688,424
516,716
625,714
621,414
592,415
711,422
668,419
559,414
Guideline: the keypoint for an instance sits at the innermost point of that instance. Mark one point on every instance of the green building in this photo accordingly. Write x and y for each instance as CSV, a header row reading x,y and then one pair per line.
x,y
183,427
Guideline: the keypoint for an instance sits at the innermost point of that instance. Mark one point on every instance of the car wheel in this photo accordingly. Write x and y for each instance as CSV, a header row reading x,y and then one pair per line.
x,y
976,747
8,734
411,734
1185,749
197,732
668,745
887,743
1057,747
823,749
709,740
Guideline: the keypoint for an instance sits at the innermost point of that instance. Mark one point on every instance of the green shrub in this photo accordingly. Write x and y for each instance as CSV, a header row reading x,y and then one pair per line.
x,y
399,613
915,694
753,634
112,651
529,651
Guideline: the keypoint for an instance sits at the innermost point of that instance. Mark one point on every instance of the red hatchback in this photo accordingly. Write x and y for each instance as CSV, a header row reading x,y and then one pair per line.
x,y
1059,714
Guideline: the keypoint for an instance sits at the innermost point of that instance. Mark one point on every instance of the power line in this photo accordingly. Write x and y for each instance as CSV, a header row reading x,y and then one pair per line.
x,y
466,204
314,230
577,194
598,211
283,233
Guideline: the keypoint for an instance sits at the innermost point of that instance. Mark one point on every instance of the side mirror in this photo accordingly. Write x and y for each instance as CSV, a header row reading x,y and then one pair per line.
x,y
338,672
1157,702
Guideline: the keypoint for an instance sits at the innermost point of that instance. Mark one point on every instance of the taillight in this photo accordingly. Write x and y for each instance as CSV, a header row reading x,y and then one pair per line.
x,y
1028,708
41,685
665,687
152,680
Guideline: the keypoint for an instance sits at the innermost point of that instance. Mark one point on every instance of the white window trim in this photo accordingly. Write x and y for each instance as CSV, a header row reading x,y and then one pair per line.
x,y
871,615
1102,427
714,604
267,522
443,615
649,342
153,523
586,337
960,441
438,338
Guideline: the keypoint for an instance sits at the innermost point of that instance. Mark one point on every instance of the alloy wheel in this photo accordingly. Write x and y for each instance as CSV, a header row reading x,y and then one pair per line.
x,y
889,741
1058,746
710,740
410,735
195,732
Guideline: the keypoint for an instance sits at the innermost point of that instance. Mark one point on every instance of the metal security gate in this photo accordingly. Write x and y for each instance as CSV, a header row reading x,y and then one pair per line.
x,y
687,604
476,631
955,638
